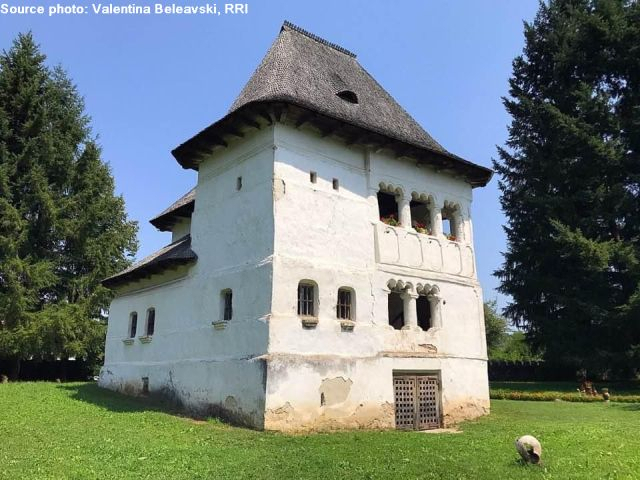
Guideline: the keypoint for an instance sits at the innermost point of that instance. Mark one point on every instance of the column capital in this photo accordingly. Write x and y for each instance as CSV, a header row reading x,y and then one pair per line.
x,y
409,295
437,203
436,297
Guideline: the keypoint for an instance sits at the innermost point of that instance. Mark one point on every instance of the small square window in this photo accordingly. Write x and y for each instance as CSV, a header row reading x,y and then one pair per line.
x,y
227,304
313,177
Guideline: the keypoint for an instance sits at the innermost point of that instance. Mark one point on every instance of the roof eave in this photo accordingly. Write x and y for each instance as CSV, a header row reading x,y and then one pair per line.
x,y
145,272
190,153
166,221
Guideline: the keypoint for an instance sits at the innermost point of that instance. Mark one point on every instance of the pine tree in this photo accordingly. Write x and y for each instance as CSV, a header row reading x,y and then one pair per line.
x,y
62,229
570,185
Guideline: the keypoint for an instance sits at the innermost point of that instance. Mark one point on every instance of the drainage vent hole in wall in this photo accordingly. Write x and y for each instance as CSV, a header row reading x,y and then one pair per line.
x,y
145,385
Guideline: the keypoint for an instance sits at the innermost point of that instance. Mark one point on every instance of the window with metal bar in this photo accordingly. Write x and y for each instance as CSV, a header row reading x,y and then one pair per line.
x,y
227,298
151,321
133,324
344,306
306,300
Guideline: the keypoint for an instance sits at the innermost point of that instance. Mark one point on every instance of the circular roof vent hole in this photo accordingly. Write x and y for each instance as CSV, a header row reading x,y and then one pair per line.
x,y
348,96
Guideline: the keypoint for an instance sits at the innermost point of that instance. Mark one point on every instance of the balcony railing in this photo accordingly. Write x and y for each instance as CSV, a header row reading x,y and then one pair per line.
x,y
399,246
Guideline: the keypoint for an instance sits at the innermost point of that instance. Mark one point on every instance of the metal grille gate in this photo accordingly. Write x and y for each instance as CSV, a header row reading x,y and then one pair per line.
x,y
417,402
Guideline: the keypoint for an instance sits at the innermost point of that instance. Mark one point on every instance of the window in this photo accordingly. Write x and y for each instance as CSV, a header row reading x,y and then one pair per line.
x,y
424,312
396,310
451,222
421,217
336,184
388,208
238,183
313,177
306,299
227,304
133,324
344,307
446,226
348,96
151,321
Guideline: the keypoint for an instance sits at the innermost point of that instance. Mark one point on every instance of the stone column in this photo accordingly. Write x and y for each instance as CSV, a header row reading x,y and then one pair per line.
x,y
468,228
436,219
435,304
458,226
410,311
404,210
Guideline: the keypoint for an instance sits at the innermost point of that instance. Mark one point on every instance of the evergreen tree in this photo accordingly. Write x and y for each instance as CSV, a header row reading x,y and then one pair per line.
x,y
495,327
570,185
62,229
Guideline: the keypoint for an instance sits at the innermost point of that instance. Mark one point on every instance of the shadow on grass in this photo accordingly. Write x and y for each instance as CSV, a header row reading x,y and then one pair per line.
x,y
630,407
117,402
120,403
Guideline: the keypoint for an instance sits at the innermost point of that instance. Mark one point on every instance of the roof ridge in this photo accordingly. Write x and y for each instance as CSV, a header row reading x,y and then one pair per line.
x,y
288,25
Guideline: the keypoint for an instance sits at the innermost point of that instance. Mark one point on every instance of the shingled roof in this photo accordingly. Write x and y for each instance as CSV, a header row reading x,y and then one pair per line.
x,y
303,70
183,207
174,254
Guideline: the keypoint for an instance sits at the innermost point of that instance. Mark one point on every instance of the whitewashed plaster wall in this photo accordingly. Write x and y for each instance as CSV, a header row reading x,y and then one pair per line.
x,y
208,368
181,228
329,236
260,241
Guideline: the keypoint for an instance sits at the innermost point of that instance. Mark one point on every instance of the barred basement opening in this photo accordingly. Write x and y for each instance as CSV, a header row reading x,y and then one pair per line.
x,y
417,401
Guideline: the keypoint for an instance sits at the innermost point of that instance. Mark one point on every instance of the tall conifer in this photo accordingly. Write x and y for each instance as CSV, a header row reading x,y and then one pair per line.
x,y
62,229
570,184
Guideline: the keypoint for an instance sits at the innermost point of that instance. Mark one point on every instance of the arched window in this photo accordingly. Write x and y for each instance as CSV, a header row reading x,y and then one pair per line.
x,y
451,222
423,306
421,213
133,324
151,322
388,208
345,304
307,298
428,307
395,305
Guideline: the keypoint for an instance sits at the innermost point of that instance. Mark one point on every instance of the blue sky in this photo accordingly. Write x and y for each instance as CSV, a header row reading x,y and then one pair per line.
x,y
151,82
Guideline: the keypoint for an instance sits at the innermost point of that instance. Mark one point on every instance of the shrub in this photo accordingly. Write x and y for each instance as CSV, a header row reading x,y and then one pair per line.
x,y
564,396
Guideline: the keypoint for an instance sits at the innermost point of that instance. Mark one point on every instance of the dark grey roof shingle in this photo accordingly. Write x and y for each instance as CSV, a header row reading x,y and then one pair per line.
x,y
303,69
183,207
176,253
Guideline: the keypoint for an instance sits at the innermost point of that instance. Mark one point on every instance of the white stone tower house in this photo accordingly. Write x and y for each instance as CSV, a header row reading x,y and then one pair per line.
x,y
321,273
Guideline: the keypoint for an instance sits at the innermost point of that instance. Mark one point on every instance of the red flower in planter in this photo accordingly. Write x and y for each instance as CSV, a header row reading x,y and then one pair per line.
x,y
390,220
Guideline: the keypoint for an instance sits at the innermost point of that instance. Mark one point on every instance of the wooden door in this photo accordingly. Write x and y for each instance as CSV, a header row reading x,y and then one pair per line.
x,y
417,402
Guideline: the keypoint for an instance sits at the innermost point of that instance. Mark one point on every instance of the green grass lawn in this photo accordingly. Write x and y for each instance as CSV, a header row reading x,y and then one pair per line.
x,y
78,431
